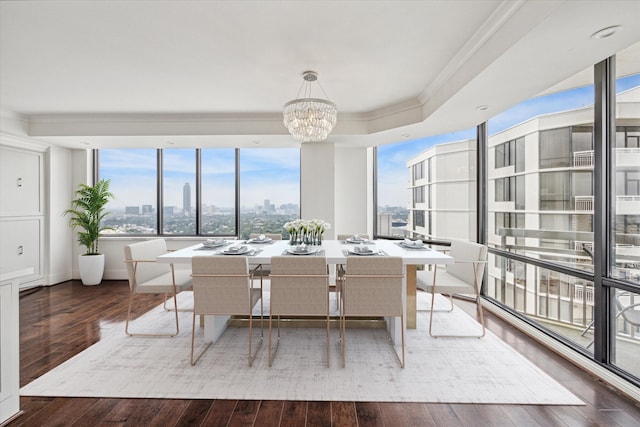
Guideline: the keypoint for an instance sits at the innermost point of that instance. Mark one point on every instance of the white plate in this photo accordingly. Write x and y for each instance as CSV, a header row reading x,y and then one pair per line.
x,y
356,252
241,251
256,240
412,245
305,252
214,244
352,240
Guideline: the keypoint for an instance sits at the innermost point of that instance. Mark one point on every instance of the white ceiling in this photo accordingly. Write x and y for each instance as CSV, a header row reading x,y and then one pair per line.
x,y
214,73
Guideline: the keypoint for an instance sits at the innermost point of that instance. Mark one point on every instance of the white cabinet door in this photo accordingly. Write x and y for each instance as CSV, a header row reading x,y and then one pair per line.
x,y
21,244
20,181
9,354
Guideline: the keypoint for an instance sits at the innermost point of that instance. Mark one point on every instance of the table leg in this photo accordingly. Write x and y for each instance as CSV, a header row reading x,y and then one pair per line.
x,y
411,296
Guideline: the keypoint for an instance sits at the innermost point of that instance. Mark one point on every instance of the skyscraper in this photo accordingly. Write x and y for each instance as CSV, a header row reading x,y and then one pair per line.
x,y
186,198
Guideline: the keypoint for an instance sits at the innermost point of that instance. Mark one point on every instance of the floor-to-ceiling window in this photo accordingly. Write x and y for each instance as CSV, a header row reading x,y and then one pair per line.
x,y
415,180
269,190
624,218
133,174
545,207
544,252
209,192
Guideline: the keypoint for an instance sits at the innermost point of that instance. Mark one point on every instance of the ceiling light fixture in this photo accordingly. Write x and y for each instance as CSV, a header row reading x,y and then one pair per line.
x,y
606,32
310,119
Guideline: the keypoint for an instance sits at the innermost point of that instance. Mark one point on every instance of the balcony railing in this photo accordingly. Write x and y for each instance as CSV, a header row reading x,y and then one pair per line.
x,y
583,159
584,203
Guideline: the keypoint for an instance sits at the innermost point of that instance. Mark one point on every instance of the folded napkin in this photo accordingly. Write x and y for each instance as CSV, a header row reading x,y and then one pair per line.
x,y
410,242
361,248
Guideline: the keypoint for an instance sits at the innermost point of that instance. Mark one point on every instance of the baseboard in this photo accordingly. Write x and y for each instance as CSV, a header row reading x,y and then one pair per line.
x,y
620,384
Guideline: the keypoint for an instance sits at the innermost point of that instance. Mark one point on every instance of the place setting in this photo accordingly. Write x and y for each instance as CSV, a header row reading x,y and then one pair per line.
x,y
212,244
239,250
303,249
363,250
261,240
356,239
413,245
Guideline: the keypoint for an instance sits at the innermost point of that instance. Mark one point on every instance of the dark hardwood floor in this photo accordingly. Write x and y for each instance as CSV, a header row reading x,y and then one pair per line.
x,y
60,321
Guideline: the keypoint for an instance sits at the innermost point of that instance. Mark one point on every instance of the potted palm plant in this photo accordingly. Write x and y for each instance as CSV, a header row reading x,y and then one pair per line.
x,y
87,212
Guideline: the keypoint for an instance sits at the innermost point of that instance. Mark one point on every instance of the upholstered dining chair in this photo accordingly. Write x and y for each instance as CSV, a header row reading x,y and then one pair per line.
x,y
340,268
224,285
372,287
464,276
299,287
146,276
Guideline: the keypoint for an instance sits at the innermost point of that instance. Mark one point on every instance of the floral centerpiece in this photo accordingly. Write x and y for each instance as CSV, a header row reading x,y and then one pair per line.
x,y
310,232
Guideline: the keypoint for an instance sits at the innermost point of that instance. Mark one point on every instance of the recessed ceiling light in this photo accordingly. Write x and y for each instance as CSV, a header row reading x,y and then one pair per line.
x,y
606,32
482,107
406,135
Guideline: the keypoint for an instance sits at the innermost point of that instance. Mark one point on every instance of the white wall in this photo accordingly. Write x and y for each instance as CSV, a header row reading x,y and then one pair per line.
x,y
317,186
352,191
60,239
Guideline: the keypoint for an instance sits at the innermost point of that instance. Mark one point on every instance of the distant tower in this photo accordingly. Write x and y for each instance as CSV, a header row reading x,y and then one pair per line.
x,y
186,198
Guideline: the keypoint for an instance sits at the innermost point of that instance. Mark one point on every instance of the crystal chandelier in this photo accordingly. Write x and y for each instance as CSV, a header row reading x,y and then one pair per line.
x,y
310,119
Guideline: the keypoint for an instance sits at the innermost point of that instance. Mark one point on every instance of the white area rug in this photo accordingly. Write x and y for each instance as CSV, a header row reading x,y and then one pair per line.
x,y
451,370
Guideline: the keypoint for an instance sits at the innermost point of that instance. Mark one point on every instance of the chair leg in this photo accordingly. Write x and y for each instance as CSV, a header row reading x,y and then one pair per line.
x,y
272,355
402,329
479,308
193,338
328,343
182,310
126,327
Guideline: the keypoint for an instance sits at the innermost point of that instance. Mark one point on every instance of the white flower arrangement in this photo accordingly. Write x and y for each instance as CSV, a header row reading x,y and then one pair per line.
x,y
306,231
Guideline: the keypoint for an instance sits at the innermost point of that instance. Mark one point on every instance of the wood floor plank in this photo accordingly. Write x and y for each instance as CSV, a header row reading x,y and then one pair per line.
x,y
343,414
170,413
405,414
318,414
244,413
443,415
294,414
198,410
218,413
60,321
369,414
269,413
96,413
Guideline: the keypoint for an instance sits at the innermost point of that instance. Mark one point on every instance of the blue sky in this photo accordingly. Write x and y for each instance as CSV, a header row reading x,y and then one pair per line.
x,y
393,174
265,173
274,174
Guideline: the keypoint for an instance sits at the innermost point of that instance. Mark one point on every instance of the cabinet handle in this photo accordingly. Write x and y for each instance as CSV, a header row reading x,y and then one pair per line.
x,y
20,250
19,182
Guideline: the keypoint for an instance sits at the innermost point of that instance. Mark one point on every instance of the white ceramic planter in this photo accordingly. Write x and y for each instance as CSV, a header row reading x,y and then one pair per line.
x,y
91,269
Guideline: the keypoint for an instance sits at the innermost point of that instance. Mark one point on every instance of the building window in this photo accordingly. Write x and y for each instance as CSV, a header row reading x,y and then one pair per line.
x,y
555,148
418,195
511,189
133,174
510,153
218,192
418,218
418,171
178,191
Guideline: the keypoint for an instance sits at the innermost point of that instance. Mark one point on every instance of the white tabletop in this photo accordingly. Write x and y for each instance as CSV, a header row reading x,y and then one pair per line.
x,y
333,251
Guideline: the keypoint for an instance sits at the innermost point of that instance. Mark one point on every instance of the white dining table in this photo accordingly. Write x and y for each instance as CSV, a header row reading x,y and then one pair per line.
x,y
334,251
